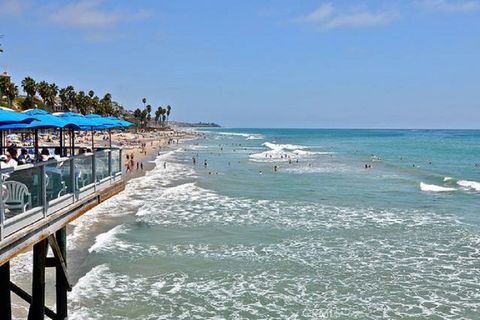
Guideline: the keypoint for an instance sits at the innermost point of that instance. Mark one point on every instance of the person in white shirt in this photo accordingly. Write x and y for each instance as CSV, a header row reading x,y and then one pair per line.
x,y
6,161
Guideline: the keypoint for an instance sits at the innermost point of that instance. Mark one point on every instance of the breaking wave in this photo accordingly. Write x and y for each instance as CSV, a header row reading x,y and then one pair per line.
x,y
434,188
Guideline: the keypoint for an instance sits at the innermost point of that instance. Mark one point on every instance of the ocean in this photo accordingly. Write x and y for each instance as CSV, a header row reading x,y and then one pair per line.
x,y
354,224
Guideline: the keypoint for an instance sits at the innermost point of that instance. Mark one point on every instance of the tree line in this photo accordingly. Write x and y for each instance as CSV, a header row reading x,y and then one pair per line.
x,y
69,99
144,116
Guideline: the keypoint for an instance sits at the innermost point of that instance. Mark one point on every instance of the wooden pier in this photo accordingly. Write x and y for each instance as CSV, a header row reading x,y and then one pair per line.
x,y
82,183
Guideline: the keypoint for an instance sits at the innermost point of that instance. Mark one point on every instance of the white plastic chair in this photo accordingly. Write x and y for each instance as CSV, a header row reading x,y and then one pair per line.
x,y
17,192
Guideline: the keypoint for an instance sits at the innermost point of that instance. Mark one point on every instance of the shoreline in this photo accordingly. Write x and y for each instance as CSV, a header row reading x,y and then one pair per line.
x,y
97,223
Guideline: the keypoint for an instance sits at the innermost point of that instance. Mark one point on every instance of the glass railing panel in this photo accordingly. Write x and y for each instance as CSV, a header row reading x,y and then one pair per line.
x,y
58,179
22,191
83,171
116,167
101,165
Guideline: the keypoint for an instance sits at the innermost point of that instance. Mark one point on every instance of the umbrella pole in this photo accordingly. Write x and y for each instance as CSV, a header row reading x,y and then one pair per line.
x,y
93,140
1,141
110,136
61,142
73,142
36,145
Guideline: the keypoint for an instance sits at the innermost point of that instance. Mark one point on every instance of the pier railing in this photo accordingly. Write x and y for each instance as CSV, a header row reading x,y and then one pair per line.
x,y
32,192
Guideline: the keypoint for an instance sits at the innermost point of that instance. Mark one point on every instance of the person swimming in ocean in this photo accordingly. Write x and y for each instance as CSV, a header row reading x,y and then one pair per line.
x,y
275,168
205,163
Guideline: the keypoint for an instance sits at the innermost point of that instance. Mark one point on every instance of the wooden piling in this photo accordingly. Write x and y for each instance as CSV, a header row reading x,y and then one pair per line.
x,y
37,307
5,299
61,282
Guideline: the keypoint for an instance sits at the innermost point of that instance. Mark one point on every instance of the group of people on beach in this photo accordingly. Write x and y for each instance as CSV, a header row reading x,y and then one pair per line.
x,y
130,163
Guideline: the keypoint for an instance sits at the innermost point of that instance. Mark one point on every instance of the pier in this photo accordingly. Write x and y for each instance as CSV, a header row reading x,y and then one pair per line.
x,y
37,202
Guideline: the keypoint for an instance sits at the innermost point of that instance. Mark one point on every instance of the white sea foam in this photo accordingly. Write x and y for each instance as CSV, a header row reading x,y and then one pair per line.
x,y
247,136
277,279
132,199
274,146
108,239
469,184
333,262
445,179
284,152
326,167
193,205
434,188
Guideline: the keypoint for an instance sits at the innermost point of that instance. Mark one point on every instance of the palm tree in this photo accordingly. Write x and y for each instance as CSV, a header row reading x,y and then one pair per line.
x,y
158,114
10,91
30,88
144,100
105,106
137,114
94,104
149,110
82,102
52,94
4,87
68,97
91,94
143,117
43,89
168,111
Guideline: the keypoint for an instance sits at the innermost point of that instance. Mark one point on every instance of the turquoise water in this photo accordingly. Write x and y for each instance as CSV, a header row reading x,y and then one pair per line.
x,y
323,237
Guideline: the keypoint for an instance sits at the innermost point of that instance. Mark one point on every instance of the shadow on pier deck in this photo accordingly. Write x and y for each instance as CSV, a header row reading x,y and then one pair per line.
x,y
37,203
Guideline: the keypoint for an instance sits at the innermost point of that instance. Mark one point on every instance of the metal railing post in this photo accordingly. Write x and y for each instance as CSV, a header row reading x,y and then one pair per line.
x,y
94,172
110,163
43,185
73,179
2,209
120,159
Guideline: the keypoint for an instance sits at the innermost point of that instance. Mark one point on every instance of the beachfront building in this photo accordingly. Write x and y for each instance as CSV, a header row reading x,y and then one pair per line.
x,y
5,75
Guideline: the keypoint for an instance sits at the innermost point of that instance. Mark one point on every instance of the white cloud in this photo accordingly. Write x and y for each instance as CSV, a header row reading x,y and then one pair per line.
x,y
12,7
320,14
91,14
450,6
327,16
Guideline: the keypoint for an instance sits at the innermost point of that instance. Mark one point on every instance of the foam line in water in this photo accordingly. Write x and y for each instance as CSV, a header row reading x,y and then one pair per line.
x,y
469,184
274,146
434,188
105,240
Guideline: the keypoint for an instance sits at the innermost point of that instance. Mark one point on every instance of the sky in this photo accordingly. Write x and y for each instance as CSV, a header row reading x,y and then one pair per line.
x,y
252,63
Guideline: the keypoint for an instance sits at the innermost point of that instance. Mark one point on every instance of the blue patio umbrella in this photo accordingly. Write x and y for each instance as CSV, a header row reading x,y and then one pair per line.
x,y
84,122
45,120
123,123
8,117
107,122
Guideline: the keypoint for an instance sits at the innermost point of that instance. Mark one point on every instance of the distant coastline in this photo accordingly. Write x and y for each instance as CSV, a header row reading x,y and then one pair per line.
x,y
195,124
